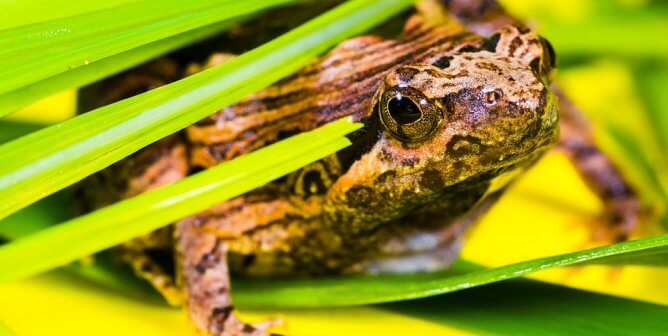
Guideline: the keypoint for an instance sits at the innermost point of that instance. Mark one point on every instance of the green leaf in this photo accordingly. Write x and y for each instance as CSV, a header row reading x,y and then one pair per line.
x,y
10,130
652,79
80,76
657,256
35,52
525,307
48,160
112,225
358,290
24,12
598,28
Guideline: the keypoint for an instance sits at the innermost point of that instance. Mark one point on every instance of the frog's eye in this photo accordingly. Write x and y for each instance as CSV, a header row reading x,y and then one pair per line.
x,y
403,110
408,114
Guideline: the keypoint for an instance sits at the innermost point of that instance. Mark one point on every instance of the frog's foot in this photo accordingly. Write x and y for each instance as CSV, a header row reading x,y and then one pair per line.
x,y
204,275
620,216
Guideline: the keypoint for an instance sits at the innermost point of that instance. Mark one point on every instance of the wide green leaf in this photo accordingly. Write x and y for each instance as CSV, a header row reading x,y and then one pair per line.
x,y
48,160
80,76
35,52
24,12
357,290
112,225
525,307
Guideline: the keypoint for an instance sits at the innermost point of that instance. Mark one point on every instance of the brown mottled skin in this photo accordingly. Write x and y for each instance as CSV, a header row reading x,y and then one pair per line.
x,y
450,117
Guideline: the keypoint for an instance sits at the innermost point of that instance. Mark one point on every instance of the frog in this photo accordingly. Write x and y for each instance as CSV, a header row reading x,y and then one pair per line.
x,y
453,110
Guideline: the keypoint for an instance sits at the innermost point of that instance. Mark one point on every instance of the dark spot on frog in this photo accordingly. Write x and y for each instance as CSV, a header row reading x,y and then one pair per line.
x,y
442,62
146,267
284,134
312,183
431,180
248,260
386,177
531,130
219,315
535,66
487,66
514,44
432,73
207,261
248,328
547,46
460,74
406,74
362,140
409,162
523,29
360,196
384,156
491,43
468,48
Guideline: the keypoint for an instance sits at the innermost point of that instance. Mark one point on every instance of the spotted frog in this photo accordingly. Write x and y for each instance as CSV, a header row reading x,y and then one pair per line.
x,y
450,117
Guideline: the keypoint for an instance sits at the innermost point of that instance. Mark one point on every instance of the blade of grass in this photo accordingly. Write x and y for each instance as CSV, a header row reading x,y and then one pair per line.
x,y
133,217
525,307
56,33
31,54
48,160
345,291
21,13
657,257
77,77
10,130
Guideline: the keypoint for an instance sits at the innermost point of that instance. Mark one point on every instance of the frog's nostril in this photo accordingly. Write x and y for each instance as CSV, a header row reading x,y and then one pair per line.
x,y
403,110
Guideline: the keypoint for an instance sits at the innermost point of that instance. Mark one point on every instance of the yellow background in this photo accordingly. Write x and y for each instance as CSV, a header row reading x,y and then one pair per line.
x,y
549,211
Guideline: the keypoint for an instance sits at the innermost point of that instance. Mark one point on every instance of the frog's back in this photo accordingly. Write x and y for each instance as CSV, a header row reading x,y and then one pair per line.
x,y
341,83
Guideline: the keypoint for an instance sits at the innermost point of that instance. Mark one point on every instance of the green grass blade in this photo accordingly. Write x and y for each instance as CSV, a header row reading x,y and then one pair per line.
x,y
21,13
77,77
133,217
10,130
56,33
656,257
48,160
30,54
343,291
524,307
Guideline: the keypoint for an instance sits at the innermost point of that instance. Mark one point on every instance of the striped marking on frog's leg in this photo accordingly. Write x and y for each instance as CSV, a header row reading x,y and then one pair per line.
x,y
622,206
204,277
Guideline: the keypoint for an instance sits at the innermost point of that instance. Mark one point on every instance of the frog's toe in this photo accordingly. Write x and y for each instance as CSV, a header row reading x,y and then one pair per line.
x,y
621,216
228,324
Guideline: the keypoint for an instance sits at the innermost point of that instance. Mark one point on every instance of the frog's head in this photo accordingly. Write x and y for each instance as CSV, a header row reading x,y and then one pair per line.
x,y
456,116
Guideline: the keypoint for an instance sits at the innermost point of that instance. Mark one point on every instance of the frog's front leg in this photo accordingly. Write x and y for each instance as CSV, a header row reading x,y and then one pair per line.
x,y
204,277
620,201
